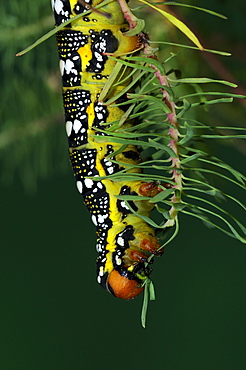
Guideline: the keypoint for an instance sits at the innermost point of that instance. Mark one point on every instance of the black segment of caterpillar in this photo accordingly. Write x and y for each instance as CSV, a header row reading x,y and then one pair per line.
x,y
124,240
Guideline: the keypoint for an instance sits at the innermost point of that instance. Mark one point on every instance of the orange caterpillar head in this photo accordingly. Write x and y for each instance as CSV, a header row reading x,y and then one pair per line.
x,y
126,284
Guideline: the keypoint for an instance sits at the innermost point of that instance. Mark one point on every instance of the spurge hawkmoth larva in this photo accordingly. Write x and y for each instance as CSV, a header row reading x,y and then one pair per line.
x,y
124,240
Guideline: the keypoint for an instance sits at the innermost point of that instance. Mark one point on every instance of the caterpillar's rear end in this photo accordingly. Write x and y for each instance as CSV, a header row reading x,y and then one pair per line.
x,y
124,240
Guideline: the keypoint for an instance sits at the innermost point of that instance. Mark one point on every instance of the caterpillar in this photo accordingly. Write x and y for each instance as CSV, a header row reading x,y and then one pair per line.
x,y
124,240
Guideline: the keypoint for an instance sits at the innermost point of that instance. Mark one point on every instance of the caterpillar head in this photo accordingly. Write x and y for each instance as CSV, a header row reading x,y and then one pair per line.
x,y
126,284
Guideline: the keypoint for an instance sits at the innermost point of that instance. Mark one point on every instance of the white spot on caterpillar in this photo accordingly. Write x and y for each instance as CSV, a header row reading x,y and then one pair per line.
x,y
99,116
102,218
123,205
88,183
69,126
94,220
120,241
69,67
76,126
118,261
98,248
103,43
111,170
58,6
79,186
99,279
99,185
62,64
101,271
98,57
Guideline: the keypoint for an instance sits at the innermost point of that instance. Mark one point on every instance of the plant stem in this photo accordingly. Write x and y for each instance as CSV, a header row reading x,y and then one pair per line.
x,y
173,132
131,19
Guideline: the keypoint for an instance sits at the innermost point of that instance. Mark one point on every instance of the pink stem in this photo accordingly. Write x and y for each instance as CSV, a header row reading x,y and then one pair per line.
x,y
131,19
173,132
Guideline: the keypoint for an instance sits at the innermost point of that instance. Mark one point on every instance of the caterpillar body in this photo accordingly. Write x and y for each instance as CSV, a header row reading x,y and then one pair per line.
x,y
124,240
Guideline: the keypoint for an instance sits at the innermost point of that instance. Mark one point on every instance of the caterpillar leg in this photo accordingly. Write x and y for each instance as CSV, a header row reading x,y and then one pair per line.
x,y
149,189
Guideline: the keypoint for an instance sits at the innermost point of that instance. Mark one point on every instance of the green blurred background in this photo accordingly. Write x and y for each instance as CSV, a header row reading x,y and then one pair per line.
x,y
53,314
